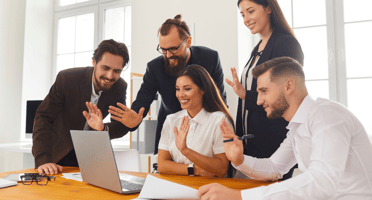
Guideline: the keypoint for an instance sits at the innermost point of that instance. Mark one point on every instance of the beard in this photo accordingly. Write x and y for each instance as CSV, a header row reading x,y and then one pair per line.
x,y
100,86
278,107
174,70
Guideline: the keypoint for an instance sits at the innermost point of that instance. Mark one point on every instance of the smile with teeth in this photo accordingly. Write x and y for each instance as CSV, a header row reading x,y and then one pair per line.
x,y
107,80
250,25
184,100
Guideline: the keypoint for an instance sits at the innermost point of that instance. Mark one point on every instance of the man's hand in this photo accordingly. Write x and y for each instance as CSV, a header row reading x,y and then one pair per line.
x,y
94,117
237,86
180,136
126,116
215,191
49,169
233,150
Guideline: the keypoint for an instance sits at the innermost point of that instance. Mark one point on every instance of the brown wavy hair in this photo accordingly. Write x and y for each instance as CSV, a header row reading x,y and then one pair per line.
x,y
212,98
113,47
182,28
277,19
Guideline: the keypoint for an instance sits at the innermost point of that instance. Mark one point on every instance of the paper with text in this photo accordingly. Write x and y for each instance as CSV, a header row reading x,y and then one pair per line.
x,y
156,188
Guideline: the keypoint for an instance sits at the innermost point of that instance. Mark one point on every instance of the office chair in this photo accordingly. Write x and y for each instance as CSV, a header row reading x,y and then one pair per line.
x,y
128,160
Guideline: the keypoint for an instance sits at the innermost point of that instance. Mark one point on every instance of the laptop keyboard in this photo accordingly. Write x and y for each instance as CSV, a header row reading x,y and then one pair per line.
x,y
130,186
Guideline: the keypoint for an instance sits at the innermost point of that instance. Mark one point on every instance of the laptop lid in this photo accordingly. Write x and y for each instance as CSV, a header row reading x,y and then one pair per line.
x,y
96,159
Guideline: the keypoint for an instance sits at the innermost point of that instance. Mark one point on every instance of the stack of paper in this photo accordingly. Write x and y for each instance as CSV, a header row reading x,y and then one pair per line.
x,y
7,183
156,188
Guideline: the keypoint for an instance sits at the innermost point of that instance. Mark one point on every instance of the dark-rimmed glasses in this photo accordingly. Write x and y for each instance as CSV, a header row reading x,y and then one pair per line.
x,y
172,50
29,178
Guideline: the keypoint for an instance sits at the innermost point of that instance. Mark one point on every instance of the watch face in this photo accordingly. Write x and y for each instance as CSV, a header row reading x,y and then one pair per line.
x,y
190,170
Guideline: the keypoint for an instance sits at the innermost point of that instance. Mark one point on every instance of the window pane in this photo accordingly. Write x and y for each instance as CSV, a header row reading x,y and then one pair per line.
x,y
83,59
286,7
358,42
315,53
69,2
114,24
359,101
318,89
66,2
66,35
84,32
356,10
65,61
309,13
128,25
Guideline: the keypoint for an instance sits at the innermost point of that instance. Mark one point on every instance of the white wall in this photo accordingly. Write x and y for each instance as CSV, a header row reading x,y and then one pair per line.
x,y
215,26
37,65
26,35
12,24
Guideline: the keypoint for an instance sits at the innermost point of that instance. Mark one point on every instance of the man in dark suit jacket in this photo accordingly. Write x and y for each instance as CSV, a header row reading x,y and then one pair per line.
x,y
161,75
66,107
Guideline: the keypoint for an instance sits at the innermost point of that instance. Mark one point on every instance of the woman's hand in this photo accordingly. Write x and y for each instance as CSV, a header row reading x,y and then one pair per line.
x,y
237,86
180,136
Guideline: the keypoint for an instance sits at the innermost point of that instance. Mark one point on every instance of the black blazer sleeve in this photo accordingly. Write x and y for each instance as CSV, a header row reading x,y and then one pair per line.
x,y
217,76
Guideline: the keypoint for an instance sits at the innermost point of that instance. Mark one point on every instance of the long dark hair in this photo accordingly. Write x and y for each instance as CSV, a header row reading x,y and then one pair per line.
x,y
277,19
212,99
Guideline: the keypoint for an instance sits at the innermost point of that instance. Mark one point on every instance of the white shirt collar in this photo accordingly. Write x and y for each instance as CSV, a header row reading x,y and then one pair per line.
x,y
302,112
200,118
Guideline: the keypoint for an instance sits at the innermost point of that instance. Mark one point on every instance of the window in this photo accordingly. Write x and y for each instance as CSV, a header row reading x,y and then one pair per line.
x,y
334,36
80,25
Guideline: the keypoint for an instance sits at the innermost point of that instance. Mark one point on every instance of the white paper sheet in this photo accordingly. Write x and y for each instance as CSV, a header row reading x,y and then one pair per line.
x,y
73,176
156,188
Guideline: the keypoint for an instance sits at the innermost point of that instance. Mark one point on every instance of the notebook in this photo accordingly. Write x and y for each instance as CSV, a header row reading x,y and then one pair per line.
x,y
97,163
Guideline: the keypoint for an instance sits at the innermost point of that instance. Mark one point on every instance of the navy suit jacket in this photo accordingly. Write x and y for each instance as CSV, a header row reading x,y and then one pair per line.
x,y
156,79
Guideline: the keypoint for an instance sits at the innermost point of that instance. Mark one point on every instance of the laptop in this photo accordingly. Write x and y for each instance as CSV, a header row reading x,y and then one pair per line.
x,y
97,163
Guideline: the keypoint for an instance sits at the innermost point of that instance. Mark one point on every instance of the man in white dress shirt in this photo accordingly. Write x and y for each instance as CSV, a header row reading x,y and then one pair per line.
x,y
327,141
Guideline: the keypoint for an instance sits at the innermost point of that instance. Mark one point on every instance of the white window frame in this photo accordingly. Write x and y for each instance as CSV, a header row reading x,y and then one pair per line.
x,y
97,7
337,77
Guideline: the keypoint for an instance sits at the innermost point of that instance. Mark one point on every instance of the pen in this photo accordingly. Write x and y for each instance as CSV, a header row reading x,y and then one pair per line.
x,y
244,137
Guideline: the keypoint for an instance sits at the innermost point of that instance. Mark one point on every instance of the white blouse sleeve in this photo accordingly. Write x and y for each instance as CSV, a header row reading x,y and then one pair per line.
x,y
164,137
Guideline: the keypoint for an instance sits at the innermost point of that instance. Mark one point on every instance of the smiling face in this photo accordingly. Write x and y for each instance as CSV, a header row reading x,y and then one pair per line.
x,y
189,95
175,62
271,97
255,16
107,71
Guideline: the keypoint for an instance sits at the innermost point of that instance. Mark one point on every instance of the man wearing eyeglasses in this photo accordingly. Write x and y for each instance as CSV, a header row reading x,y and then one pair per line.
x,y
177,53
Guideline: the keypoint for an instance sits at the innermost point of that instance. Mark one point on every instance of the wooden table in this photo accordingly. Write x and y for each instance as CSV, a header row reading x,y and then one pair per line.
x,y
69,189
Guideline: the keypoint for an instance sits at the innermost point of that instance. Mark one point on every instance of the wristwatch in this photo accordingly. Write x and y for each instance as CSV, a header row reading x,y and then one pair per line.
x,y
190,169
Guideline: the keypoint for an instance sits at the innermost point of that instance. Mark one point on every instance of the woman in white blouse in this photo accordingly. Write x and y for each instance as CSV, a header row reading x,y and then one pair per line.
x,y
191,141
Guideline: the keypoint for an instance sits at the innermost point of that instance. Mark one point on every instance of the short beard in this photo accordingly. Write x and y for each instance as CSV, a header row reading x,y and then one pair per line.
x,y
99,86
174,70
279,107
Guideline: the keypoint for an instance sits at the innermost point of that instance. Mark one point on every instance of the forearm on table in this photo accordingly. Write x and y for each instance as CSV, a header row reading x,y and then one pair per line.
x,y
216,165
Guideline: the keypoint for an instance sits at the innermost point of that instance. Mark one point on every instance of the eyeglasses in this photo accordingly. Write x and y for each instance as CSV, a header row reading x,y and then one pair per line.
x,y
172,50
29,178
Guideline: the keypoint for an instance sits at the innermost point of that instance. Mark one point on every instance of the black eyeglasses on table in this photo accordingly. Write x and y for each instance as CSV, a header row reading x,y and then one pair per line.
x,y
29,178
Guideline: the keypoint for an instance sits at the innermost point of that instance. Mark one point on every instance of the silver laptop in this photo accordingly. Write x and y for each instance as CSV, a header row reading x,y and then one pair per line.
x,y
97,163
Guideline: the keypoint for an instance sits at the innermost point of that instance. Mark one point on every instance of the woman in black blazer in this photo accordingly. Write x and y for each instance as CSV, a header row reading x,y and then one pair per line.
x,y
277,39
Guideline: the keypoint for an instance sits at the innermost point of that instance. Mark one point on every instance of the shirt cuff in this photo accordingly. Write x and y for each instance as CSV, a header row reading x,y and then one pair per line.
x,y
253,194
218,150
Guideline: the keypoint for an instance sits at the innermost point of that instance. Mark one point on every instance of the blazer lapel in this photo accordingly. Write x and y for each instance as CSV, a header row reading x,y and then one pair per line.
x,y
85,93
266,54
